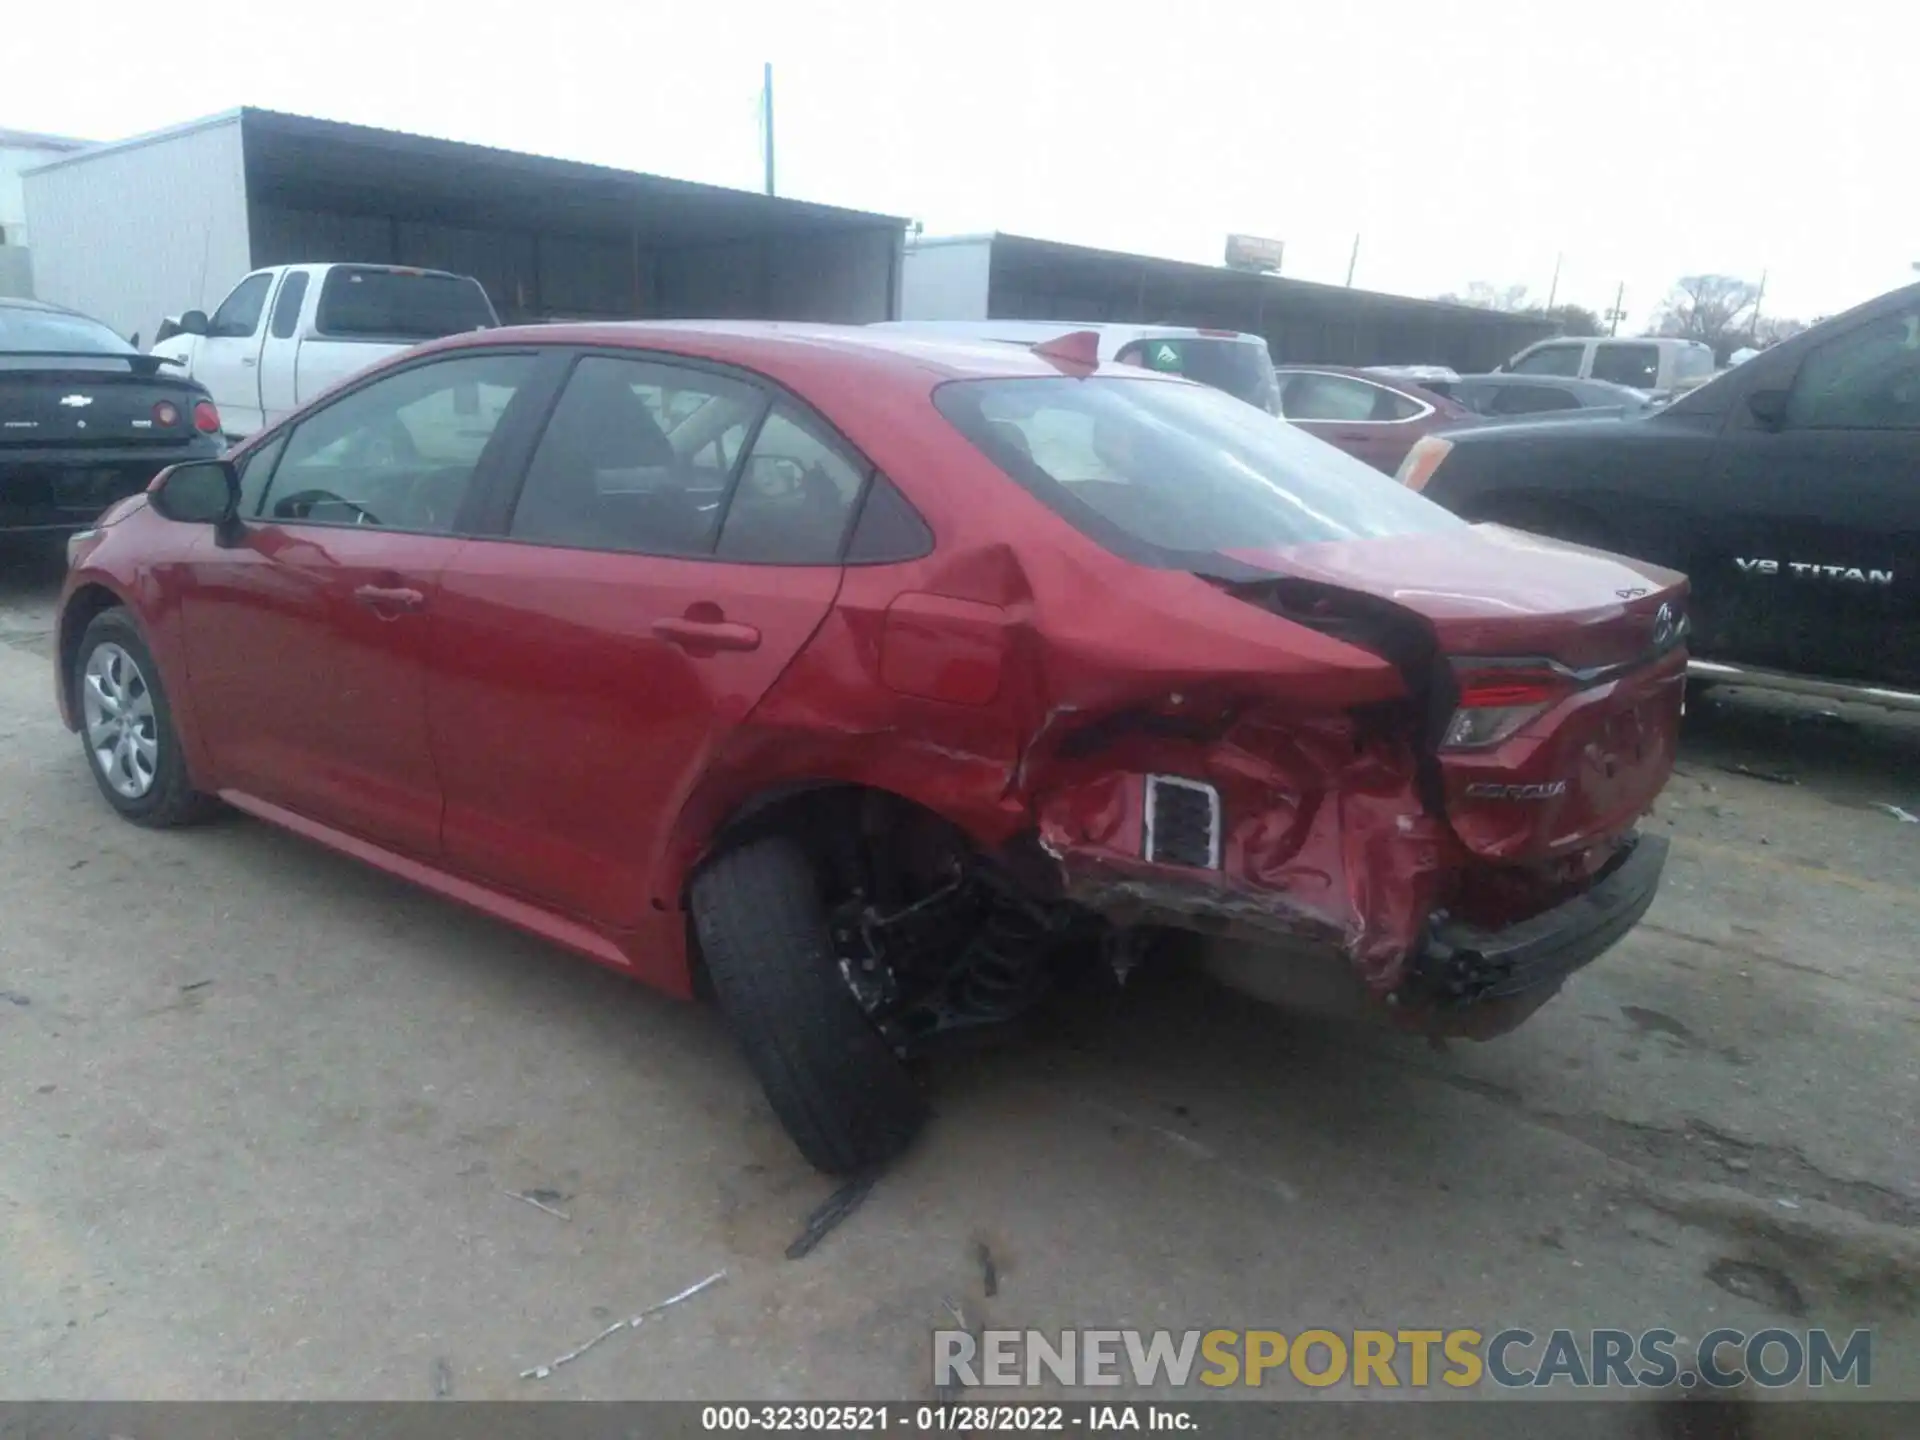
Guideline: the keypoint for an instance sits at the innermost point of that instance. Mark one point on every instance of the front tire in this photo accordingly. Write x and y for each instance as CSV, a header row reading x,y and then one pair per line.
x,y
127,730
838,1088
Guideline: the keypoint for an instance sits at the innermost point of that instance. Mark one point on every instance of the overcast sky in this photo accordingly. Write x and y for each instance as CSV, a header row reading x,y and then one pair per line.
x,y
1460,141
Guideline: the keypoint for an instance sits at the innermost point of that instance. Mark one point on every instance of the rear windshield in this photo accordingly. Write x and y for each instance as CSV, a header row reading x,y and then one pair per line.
x,y
1242,368
1147,468
32,329
368,303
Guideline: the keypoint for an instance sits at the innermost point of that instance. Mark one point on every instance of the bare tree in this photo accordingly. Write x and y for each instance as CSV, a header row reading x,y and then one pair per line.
x,y
1572,319
1716,309
1483,296
1771,330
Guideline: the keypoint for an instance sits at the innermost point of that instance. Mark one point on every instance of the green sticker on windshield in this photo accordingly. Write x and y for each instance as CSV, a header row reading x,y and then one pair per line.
x,y
1164,357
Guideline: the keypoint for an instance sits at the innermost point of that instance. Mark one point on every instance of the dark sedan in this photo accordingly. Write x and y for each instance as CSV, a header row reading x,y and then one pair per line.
x,y
86,419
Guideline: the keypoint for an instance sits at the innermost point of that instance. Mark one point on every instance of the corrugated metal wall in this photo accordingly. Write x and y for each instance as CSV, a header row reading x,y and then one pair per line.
x,y
137,232
843,275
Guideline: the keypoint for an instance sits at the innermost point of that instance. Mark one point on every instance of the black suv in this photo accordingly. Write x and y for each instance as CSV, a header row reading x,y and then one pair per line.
x,y
1788,490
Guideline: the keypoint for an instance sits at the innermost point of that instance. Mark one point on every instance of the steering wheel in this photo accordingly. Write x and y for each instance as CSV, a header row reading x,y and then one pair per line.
x,y
302,503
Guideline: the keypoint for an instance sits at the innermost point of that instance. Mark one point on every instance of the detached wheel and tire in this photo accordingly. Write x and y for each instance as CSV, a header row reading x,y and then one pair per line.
x,y
127,727
837,1086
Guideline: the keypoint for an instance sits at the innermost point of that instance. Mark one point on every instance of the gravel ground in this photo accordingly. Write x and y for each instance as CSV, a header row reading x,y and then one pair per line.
x,y
267,1113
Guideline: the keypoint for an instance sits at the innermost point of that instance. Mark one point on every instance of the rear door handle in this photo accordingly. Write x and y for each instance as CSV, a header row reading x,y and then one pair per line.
x,y
707,634
389,597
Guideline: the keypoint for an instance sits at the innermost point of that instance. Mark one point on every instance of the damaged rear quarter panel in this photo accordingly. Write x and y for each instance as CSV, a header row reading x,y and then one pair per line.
x,y
997,684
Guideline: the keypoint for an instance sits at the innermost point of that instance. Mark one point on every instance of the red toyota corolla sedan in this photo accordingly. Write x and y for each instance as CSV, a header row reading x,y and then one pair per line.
x,y
854,678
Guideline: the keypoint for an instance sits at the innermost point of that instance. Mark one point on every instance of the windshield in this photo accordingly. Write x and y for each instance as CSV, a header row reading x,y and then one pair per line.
x,y
22,328
1143,465
366,302
1241,367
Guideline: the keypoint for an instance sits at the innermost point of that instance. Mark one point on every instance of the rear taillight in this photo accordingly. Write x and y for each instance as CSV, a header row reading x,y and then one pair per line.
x,y
1496,703
1422,460
165,412
206,419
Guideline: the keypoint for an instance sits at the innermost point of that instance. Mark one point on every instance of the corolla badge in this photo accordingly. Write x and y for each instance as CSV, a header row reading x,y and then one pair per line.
x,y
76,402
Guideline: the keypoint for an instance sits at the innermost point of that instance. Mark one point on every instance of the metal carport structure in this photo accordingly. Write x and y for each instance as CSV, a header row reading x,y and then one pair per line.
x,y
140,228
1006,277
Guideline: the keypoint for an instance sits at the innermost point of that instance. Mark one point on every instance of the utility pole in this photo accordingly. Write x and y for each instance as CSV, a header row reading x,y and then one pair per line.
x,y
1616,314
766,120
1553,289
1353,260
1753,325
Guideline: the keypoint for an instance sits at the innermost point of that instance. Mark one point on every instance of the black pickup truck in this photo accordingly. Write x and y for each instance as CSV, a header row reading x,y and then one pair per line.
x,y
1788,490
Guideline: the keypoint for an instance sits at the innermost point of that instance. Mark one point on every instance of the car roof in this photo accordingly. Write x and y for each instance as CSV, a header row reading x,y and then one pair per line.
x,y
775,346
20,302
1046,329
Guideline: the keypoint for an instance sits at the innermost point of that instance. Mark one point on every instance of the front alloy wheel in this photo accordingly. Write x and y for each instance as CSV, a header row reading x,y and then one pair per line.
x,y
123,733
126,725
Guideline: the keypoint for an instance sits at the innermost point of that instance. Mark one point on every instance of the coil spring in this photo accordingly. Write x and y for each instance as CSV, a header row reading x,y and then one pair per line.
x,y
999,974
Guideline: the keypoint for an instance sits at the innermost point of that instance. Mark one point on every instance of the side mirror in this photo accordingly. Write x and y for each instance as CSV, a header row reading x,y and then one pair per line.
x,y
194,322
1769,407
201,492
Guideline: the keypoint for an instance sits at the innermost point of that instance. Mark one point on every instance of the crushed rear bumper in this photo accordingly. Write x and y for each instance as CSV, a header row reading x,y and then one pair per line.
x,y
1462,970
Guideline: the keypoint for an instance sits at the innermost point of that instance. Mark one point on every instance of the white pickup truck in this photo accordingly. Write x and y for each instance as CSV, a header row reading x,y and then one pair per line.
x,y
289,332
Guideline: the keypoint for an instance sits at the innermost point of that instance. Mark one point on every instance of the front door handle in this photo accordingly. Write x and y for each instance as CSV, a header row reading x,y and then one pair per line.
x,y
707,634
384,598
248,360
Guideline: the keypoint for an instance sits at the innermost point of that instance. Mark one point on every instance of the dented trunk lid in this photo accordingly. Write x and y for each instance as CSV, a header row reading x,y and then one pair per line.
x,y
1589,646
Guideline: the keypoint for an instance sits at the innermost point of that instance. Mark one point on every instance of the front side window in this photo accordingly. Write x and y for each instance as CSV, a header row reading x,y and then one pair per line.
x,y
1634,365
1551,360
637,457
239,314
1865,379
256,469
796,493
1150,468
399,453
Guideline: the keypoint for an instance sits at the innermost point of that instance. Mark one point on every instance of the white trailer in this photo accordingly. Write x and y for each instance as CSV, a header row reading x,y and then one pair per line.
x,y
162,224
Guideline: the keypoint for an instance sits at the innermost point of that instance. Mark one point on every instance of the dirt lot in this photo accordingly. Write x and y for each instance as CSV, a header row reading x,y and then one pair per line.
x,y
263,1108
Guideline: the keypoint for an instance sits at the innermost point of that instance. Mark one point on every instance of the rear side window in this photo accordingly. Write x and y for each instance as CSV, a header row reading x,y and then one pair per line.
x,y
794,497
1153,470
1551,360
1635,365
630,459
889,529
370,303
286,308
